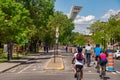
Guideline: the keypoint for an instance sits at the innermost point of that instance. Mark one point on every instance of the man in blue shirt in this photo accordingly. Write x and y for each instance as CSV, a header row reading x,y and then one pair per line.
x,y
97,51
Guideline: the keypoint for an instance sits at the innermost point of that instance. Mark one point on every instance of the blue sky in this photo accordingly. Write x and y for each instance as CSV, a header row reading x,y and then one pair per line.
x,y
92,10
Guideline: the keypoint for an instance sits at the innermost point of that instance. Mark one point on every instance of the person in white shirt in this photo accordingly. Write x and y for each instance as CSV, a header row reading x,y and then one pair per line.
x,y
78,62
88,51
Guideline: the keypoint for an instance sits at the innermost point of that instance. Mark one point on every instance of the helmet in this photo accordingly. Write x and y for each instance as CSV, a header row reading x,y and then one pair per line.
x,y
79,49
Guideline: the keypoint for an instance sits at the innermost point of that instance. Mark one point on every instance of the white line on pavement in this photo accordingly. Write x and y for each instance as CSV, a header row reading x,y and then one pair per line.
x,y
113,72
25,68
117,72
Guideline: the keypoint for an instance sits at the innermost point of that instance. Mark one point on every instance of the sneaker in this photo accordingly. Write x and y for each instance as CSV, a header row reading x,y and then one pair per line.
x,y
100,76
75,75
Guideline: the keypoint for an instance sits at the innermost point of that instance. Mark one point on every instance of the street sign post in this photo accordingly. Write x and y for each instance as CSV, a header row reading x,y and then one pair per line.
x,y
56,40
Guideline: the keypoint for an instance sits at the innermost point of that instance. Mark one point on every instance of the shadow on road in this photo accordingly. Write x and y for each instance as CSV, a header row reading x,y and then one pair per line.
x,y
106,78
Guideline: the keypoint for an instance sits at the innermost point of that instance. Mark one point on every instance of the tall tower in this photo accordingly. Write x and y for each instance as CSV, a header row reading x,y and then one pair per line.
x,y
74,12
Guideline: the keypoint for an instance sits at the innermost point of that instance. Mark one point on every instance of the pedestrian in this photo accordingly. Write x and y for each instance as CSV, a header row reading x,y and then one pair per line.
x,y
88,50
66,48
97,51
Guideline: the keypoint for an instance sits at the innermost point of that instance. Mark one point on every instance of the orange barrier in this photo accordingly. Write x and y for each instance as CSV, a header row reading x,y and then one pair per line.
x,y
110,61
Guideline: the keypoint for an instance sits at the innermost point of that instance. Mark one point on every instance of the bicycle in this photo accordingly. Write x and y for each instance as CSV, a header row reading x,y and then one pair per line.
x,y
98,68
78,72
103,72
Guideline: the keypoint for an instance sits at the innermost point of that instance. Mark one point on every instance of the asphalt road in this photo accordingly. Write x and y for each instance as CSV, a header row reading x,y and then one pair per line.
x,y
34,70
117,65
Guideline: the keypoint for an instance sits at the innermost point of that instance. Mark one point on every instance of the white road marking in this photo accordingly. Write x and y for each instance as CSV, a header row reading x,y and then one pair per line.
x,y
34,69
113,72
117,72
25,68
89,71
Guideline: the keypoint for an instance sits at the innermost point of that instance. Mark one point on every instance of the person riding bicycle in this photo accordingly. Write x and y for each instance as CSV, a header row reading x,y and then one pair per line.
x,y
97,51
102,61
78,62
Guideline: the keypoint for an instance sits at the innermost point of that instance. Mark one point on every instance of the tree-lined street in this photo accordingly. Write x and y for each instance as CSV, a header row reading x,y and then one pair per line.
x,y
33,33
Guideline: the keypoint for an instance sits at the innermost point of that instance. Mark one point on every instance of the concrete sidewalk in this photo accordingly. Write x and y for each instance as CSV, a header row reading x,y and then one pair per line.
x,y
6,66
50,65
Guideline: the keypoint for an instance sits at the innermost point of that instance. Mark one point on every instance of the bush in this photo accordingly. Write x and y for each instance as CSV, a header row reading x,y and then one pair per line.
x,y
3,57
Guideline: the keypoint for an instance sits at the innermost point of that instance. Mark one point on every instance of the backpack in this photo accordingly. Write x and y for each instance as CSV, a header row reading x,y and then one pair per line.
x,y
79,57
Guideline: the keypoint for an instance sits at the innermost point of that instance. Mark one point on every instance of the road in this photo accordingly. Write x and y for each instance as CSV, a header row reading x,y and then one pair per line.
x,y
34,70
117,65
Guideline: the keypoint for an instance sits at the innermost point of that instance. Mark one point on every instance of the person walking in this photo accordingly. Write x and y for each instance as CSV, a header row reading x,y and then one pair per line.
x,y
97,51
88,50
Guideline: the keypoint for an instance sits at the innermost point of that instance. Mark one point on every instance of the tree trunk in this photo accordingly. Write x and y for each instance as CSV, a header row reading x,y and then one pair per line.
x,y
10,50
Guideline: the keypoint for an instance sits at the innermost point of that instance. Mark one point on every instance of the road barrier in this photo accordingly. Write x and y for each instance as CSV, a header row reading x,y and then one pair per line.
x,y
110,62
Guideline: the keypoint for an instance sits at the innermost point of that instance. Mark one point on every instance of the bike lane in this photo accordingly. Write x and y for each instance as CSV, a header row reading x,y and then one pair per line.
x,y
90,73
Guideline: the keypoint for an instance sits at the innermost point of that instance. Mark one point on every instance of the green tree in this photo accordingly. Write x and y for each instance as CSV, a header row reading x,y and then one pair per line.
x,y
65,27
113,29
40,10
15,23
78,39
98,31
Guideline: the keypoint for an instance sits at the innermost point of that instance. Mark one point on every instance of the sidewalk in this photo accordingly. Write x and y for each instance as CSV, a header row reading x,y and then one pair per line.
x,y
50,65
8,65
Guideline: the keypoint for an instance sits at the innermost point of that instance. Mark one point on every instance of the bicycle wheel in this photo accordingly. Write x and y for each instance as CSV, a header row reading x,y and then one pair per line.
x,y
78,75
104,71
98,68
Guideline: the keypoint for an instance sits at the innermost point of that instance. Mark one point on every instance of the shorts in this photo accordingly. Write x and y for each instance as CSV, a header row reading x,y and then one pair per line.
x,y
79,66
103,62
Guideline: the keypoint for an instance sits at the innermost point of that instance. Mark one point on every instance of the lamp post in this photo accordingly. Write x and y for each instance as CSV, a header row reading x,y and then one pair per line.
x,y
56,40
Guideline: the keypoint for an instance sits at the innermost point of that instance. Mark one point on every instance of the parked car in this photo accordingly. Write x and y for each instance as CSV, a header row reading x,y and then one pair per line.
x,y
117,54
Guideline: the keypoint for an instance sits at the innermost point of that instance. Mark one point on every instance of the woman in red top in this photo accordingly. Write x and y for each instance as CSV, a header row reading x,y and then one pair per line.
x,y
102,60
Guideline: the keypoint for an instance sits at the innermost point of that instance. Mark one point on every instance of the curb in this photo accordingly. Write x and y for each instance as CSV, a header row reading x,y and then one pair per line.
x,y
10,68
50,61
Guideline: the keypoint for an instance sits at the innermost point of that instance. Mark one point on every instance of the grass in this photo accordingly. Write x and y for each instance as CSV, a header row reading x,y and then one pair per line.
x,y
3,56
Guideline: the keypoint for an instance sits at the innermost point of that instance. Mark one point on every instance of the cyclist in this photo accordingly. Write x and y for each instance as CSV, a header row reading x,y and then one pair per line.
x,y
80,63
97,51
102,62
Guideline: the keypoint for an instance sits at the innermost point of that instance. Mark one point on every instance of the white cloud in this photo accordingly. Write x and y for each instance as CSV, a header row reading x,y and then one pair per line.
x,y
84,19
82,22
109,13
81,28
